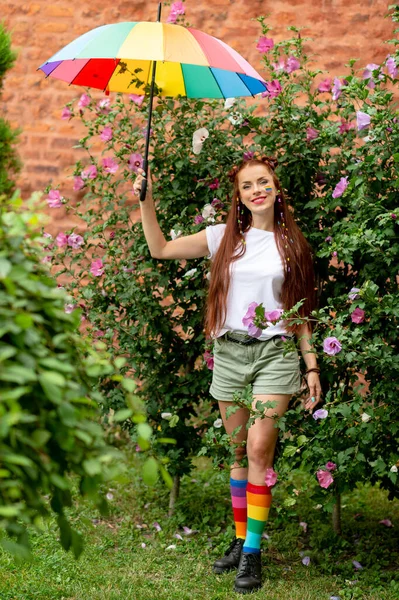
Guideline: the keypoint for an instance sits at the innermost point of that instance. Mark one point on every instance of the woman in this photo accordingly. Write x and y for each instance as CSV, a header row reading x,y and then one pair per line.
x,y
260,256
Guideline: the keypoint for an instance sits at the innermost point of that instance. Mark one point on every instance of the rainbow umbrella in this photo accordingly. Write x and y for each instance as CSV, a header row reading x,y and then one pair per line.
x,y
180,61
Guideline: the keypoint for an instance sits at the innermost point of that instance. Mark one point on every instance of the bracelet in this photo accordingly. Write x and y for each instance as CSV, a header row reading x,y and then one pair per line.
x,y
314,370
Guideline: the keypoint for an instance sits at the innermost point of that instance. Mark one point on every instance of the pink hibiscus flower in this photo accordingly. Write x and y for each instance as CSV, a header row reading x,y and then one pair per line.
x,y
84,101
78,183
97,267
292,64
136,99
208,358
54,199
89,172
75,240
324,478
265,44
332,346
135,162
61,240
311,134
273,89
270,477
110,165
66,113
340,187
325,85
358,315
106,134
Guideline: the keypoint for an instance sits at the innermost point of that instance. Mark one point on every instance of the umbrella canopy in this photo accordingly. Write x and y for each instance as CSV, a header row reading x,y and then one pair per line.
x,y
189,62
180,61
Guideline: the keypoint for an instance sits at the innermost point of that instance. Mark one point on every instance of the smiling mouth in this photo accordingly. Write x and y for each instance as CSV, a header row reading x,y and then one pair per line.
x,y
258,200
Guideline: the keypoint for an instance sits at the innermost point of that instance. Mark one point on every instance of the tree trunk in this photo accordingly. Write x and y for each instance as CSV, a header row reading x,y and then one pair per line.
x,y
174,494
336,514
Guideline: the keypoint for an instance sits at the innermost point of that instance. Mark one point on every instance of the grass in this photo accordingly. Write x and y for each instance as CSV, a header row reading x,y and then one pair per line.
x,y
114,565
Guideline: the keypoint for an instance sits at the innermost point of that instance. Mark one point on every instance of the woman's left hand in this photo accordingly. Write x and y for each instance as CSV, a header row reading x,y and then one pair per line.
x,y
314,386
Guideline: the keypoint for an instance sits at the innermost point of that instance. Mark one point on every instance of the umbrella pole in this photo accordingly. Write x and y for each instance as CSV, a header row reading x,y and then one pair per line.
x,y
143,191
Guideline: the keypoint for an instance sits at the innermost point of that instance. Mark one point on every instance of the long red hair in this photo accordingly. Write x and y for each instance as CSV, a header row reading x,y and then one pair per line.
x,y
299,281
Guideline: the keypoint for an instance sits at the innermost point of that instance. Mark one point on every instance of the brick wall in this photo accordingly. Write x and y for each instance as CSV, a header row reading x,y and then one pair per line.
x,y
341,29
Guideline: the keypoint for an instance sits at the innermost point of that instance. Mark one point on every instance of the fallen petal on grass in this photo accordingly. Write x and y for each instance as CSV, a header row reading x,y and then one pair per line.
x,y
386,522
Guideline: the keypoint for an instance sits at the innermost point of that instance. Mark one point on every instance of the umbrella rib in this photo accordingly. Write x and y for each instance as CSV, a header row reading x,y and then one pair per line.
x,y
112,74
239,75
217,83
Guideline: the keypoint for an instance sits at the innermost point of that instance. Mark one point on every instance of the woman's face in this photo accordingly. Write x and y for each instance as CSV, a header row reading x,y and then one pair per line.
x,y
256,188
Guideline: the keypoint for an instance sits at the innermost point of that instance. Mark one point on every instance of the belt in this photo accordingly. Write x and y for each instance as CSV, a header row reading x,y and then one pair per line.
x,y
247,340
242,339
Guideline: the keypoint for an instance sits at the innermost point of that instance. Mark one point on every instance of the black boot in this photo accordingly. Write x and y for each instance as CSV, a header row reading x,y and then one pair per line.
x,y
231,557
249,573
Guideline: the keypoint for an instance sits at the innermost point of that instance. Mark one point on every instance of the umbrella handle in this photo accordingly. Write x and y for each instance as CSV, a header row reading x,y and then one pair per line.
x,y
143,190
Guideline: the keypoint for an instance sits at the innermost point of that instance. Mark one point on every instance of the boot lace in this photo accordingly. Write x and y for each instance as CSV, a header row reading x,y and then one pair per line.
x,y
234,548
248,565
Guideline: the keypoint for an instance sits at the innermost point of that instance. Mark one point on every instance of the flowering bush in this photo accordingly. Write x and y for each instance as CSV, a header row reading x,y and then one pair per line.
x,y
148,310
337,144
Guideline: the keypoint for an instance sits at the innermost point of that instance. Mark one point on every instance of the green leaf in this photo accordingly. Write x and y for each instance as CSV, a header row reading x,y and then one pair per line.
x,y
173,421
144,431
14,394
77,543
289,502
5,267
41,437
17,459
65,533
7,351
289,451
122,415
128,384
52,383
59,481
150,471
92,466
302,439
9,511
166,476
17,374
24,320
120,362
68,414
53,364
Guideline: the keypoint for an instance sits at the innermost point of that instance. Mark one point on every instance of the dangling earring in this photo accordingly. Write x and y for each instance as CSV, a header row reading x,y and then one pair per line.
x,y
240,212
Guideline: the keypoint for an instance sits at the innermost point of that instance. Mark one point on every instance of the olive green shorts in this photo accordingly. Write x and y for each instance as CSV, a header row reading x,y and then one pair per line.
x,y
261,364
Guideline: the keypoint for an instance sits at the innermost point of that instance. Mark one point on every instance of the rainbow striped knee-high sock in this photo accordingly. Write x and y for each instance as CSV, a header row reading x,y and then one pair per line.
x,y
259,499
239,502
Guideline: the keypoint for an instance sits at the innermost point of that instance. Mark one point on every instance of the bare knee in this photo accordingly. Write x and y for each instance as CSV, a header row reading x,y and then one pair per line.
x,y
261,453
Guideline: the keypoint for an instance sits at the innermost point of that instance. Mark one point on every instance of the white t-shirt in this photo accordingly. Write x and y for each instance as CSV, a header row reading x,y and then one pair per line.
x,y
257,276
